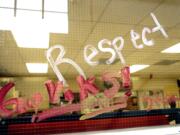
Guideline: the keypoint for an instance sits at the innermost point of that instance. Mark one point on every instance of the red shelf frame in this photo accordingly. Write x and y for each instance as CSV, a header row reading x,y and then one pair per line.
x,y
85,125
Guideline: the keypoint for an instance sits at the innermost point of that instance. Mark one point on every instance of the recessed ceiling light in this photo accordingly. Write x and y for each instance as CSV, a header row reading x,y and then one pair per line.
x,y
37,67
31,39
173,49
135,68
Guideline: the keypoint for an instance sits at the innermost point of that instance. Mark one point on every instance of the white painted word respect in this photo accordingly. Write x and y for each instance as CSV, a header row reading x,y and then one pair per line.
x,y
116,49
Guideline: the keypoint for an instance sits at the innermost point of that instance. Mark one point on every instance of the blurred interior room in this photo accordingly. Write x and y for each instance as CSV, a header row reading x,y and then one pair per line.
x,y
99,37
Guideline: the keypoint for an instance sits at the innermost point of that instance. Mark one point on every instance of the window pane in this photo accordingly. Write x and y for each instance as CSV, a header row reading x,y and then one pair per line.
x,y
56,5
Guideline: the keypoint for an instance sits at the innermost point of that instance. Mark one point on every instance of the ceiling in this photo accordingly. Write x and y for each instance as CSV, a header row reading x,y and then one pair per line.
x,y
92,20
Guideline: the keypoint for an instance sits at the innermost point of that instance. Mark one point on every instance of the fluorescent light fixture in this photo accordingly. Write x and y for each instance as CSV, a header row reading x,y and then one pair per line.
x,y
173,49
37,67
135,68
56,5
31,38
29,4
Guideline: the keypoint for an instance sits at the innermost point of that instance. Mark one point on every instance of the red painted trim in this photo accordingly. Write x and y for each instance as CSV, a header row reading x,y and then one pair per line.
x,y
86,125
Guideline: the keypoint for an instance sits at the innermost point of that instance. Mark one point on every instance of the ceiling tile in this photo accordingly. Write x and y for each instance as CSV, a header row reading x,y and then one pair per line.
x,y
78,32
167,14
108,31
33,55
11,60
174,32
86,10
128,11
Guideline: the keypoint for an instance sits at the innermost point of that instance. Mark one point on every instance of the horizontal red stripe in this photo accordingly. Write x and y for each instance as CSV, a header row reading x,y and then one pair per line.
x,y
85,125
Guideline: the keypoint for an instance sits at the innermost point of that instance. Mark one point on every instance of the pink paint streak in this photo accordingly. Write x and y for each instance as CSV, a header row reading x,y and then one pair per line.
x,y
86,86
53,90
56,111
